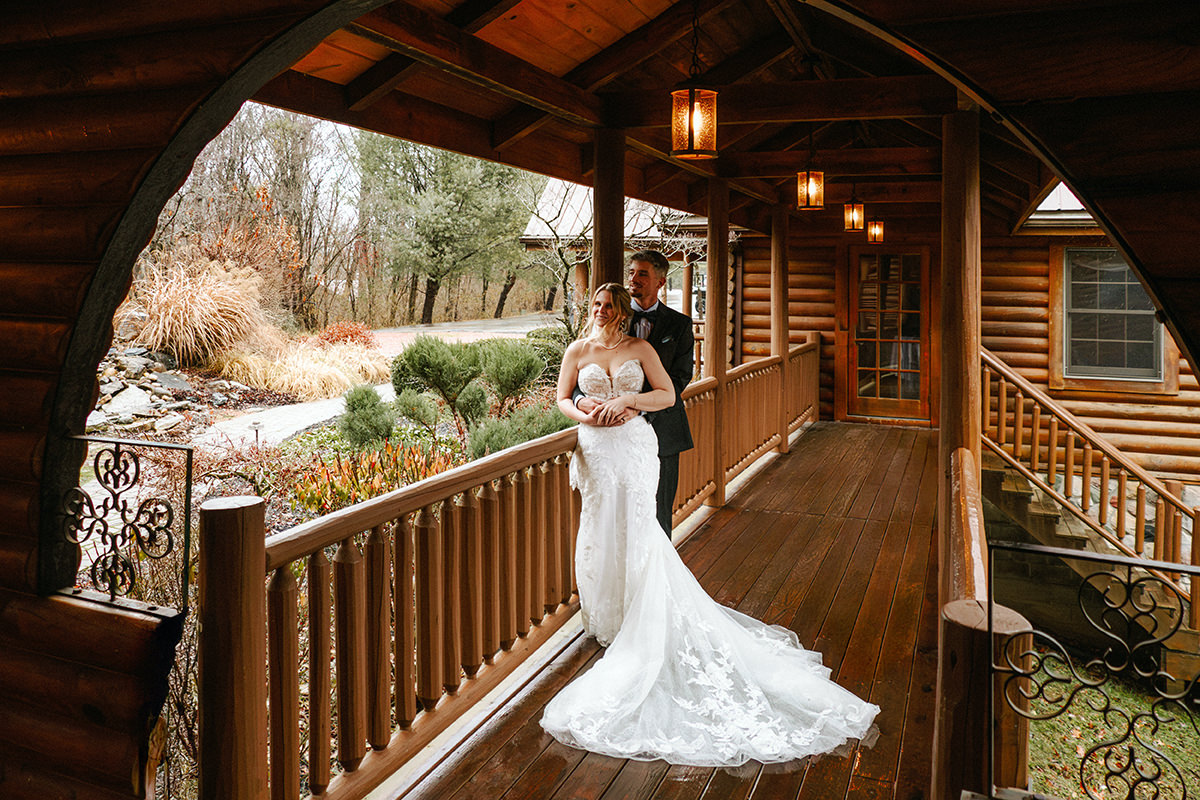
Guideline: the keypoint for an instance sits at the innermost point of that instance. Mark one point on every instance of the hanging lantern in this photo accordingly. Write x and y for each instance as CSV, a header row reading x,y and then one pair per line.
x,y
810,190
694,108
810,184
693,123
855,214
875,231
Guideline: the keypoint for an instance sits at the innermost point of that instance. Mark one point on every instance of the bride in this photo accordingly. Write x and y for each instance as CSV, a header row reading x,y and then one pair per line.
x,y
684,679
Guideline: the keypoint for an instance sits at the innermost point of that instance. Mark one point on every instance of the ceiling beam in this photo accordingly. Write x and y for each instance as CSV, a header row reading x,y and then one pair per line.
x,y
614,60
395,69
847,162
431,40
800,101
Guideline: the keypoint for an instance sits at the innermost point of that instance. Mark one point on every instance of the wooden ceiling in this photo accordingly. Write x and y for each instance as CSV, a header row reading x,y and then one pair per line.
x,y
527,81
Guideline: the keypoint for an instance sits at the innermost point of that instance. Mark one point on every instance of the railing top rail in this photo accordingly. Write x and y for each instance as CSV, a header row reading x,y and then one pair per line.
x,y
699,387
750,367
1082,429
1117,559
968,541
308,537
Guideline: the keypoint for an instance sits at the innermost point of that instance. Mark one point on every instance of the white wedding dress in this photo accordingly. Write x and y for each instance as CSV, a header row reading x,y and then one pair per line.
x,y
684,678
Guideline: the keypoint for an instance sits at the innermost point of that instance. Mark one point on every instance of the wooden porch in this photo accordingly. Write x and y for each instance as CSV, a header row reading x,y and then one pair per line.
x,y
834,540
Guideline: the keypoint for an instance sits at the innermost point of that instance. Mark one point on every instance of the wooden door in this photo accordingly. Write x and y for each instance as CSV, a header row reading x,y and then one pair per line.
x,y
887,363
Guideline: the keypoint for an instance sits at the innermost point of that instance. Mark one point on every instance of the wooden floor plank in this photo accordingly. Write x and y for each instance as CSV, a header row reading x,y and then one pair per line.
x,y
916,748
810,615
507,733
862,590
882,483
638,780
590,779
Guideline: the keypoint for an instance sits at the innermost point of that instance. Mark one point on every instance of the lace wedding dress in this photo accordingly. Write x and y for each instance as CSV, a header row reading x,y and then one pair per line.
x,y
684,678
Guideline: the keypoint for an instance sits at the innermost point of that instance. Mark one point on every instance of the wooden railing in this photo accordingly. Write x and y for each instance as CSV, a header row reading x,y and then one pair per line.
x,y
964,752
803,395
433,594
1123,504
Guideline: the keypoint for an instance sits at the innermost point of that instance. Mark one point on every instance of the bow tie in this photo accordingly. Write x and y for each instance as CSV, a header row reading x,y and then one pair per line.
x,y
638,316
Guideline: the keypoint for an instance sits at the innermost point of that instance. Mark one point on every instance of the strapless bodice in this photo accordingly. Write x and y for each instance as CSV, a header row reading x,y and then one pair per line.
x,y
595,382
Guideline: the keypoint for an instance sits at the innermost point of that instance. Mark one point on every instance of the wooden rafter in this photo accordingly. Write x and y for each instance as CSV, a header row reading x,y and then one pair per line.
x,y
850,99
849,162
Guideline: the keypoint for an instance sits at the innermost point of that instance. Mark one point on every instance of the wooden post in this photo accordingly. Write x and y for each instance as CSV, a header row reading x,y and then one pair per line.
x,y
780,338
608,208
688,283
716,337
960,411
963,715
232,649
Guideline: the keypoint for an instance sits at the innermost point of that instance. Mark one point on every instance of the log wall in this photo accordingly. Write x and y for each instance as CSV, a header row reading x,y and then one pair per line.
x,y
1160,432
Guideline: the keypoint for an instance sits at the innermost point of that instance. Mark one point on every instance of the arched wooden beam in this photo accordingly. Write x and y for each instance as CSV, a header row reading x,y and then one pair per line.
x,y
91,336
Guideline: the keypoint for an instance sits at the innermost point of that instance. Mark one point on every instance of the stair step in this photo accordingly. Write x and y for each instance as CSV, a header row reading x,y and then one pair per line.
x,y
1016,483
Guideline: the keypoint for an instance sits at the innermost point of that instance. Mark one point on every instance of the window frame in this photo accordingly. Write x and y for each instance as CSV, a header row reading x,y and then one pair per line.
x,y
1058,379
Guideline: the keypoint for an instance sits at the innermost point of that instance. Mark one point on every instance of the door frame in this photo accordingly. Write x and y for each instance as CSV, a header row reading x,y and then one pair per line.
x,y
845,384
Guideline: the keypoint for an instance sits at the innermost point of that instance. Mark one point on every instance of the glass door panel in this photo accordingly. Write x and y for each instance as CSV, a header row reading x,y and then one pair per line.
x,y
889,339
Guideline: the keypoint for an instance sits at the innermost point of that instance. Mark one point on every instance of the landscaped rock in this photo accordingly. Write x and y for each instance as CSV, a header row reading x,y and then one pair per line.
x,y
167,422
111,387
174,381
129,401
96,419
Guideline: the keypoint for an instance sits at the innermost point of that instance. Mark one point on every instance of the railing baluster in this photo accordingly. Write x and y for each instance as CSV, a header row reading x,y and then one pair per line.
x,y
451,592
1018,425
1002,412
1139,521
471,647
320,685
1069,467
1052,452
554,541
1194,604
430,669
563,533
539,527
349,604
1175,551
404,645
284,671
1160,526
379,626
489,507
1035,437
508,561
987,400
1104,469
1085,490
1122,487
524,547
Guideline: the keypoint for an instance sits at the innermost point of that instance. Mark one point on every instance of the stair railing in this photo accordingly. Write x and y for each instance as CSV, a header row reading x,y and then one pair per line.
x,y
1070,462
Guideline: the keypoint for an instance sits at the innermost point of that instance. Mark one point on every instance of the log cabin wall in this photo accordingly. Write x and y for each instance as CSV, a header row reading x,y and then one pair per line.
x,y
1160,431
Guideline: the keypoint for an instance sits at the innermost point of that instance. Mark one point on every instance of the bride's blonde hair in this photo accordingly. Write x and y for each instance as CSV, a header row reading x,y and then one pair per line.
x,y
623,305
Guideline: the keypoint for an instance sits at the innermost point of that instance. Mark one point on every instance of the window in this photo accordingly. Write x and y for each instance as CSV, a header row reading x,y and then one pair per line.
x,y
1111,331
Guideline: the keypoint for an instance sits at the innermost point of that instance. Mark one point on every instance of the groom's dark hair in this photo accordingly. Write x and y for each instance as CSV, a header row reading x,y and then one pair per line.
x,y
655,259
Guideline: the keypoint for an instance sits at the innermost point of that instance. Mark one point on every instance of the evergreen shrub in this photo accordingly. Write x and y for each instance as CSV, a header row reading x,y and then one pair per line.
x,y
367,419
523,425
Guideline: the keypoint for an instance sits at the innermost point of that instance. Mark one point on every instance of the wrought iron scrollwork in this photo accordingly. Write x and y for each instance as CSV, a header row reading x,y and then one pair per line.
x,y
123,529
1136,610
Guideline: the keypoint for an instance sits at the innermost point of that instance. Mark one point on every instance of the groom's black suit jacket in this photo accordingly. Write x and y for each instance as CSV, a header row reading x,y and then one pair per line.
x,y
671,337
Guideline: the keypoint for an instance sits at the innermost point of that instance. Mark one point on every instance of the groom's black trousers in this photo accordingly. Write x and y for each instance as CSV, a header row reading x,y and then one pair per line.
x,y
668,481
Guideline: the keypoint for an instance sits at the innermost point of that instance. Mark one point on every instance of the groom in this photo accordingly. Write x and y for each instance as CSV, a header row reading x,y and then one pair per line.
x,y
670,334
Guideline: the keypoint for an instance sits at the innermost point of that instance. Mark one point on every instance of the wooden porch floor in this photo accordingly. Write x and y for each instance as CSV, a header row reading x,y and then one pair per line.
x,y
834,540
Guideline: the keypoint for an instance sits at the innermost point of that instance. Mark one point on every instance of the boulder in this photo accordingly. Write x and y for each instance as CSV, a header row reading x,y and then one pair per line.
x,y
174,381
96,419
130,400
167,422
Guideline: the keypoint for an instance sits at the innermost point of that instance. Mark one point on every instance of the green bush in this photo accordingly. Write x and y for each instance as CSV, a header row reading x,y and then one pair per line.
x,y
523,425
443,368
416,407
367,419
511,367
550,343
472,404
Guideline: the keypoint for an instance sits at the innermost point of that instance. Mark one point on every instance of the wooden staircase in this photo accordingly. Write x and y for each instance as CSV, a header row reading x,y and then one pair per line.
x,y
1054,478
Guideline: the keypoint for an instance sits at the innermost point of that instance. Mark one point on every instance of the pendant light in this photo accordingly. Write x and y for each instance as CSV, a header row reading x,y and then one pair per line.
x,y
810,184
694,108
875,231
854,212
